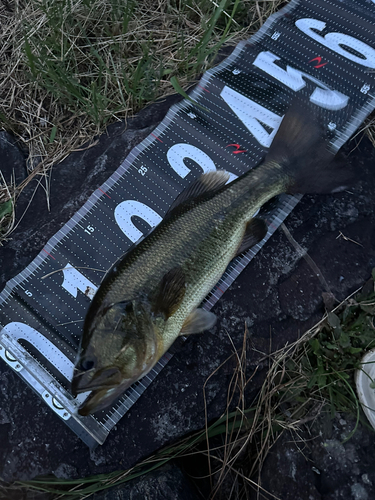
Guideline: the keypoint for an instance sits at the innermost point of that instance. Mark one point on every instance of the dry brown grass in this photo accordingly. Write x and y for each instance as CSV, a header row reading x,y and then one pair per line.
x,y
236,464
70,68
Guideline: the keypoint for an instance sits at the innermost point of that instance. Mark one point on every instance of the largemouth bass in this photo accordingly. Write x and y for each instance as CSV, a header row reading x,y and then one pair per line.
x,y
152,294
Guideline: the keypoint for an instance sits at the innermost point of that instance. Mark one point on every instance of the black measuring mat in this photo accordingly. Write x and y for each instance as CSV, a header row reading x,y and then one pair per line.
x,y
321,50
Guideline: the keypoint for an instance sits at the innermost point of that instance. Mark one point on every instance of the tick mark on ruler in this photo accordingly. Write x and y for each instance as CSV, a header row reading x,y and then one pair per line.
x,y
49,254
157,138
101,190
200,86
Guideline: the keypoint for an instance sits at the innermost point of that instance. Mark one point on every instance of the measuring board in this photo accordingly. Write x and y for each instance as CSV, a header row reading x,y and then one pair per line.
x,y
321,50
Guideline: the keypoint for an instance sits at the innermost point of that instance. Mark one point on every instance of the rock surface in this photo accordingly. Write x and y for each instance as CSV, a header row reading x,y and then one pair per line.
x,y
322,465
278,296
167,483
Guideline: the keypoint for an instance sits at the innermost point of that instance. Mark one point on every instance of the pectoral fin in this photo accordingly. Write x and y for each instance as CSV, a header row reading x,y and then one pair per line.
x,y
198,321
256,230
170,293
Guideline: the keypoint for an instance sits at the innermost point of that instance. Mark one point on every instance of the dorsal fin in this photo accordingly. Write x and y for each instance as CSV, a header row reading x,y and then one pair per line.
x,y
205,183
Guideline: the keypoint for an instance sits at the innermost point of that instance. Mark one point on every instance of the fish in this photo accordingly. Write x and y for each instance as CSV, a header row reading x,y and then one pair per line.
x,y
152,294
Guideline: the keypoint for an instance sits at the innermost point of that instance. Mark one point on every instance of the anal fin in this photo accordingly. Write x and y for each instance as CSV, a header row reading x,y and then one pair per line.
x,y
256,230
198,321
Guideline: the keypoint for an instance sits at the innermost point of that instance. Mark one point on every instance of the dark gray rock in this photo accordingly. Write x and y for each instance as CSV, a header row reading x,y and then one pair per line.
x,y
320,464
13,159
166,483
278,296
287,473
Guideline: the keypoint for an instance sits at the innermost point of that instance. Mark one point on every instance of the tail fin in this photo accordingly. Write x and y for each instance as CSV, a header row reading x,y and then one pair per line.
x,y
300,147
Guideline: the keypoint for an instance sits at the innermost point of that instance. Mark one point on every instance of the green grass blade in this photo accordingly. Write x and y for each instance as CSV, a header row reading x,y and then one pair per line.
x,y
181,91
6,208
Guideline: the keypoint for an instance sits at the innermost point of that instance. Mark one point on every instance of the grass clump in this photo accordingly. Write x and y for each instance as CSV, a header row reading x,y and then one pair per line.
x,y
330,357
336,351
72,67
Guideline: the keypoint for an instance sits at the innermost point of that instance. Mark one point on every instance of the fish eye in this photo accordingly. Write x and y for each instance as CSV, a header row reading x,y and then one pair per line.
x,y
87,364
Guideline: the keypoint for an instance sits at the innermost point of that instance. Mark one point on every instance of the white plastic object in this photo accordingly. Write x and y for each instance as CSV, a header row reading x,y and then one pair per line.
x,y
365,382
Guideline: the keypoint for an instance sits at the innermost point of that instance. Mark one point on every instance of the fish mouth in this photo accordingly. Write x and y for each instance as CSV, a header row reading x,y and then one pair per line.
x,y
106,385
101,399
106,378
78,383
